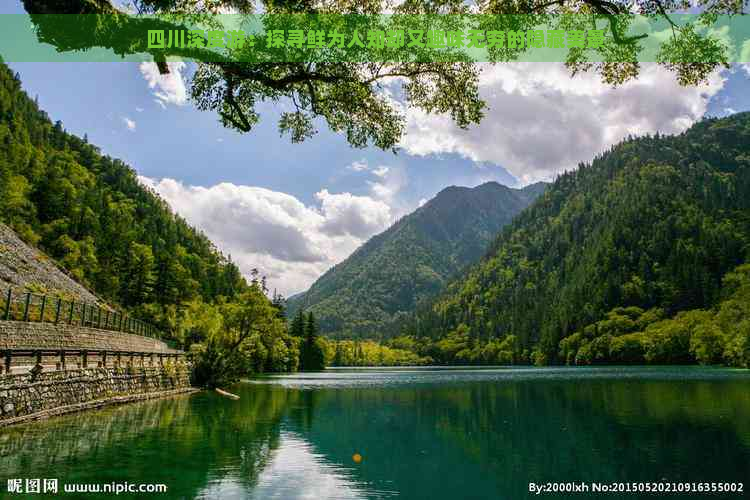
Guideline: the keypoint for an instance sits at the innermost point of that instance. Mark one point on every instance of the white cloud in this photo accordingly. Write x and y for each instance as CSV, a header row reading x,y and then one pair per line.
x,y
130,124
542,121
381,171
346,214
359,166
169,88
391,181
291,243
140,110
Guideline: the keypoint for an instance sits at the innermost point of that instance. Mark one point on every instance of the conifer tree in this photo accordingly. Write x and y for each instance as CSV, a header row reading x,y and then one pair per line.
x,y
312,355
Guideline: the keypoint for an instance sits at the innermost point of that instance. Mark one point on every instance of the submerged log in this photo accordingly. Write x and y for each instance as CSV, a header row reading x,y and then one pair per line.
x,y
227,394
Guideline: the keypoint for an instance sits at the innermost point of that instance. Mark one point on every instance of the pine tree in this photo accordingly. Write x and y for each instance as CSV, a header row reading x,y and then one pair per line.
x,y
298,325
279,302
312,355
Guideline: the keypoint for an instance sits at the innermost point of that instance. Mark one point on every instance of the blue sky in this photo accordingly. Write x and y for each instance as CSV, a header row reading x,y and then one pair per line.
x,y
181,142
293,210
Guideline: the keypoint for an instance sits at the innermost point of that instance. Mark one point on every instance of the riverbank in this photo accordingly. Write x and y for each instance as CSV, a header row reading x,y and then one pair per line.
x,y
27,397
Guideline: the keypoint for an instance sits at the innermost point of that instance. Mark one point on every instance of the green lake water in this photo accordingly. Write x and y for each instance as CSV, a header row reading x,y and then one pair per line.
x,y
421,433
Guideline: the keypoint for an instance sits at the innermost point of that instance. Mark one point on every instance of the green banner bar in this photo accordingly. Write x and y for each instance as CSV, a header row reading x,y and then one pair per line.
x,y
679,38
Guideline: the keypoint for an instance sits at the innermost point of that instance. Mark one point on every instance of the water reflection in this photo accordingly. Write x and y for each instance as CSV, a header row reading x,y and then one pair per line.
x,y
298,471
421,434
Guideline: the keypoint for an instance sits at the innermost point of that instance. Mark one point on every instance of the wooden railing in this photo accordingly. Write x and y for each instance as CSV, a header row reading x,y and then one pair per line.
x,y
44,308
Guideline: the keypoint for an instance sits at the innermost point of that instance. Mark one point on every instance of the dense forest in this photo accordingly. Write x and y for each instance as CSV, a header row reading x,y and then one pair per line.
x,y
89,212
636,257
380,284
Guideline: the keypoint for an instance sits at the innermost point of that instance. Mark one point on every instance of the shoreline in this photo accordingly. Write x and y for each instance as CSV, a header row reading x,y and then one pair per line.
x,y
94,405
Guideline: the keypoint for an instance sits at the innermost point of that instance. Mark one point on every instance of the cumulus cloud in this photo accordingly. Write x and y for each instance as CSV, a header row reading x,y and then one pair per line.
x,y
275,232
346,214
391,180
541,121
130,124
169,88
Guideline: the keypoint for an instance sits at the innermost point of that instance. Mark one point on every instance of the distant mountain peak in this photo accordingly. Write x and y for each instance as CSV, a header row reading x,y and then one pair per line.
x,y
412,260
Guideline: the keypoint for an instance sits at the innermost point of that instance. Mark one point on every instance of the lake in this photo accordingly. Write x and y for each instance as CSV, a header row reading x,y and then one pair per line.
x,y
432,433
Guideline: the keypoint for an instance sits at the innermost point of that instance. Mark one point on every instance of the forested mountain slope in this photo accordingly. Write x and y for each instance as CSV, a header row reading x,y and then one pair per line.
x,y
24,268
647,230
411,261
90,213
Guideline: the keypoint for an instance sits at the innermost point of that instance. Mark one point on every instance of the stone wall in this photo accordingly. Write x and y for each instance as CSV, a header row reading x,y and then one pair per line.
x,y
26,336
32,396
49,369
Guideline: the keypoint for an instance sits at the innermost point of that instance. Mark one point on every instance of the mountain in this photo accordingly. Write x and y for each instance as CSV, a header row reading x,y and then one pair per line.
x,y
627,245
411,261
90,214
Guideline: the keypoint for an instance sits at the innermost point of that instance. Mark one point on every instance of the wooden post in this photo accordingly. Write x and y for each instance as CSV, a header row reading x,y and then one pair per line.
x,y
26,306
70,314
44,306
106,321
57,310
7,362
85,359
62,360
104,359
8,299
